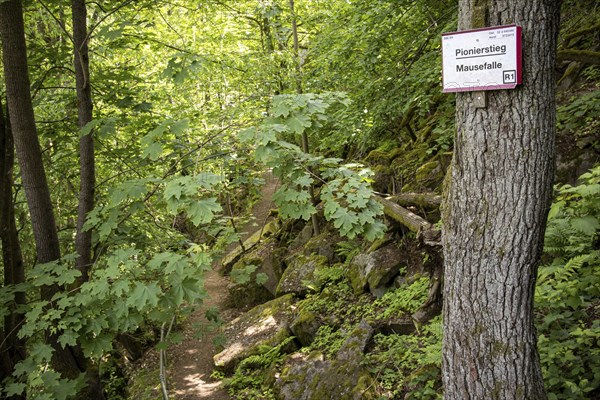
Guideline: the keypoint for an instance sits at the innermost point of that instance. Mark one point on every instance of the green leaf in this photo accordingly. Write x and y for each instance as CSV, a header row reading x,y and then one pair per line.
x,y
41,352
180,126
261,278
203,211
144,295
87,129
68,277
153,151
242,275
68,338
14,389
66,387
587,224
173,190
280,108
97,346
299,123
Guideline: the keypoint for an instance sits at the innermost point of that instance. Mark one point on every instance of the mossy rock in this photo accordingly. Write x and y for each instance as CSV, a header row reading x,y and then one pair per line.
x,y
428,176
250,293
264,325
313,377
324,244
382,178
379,157
299,277
229,260
375,270
302,238
305,326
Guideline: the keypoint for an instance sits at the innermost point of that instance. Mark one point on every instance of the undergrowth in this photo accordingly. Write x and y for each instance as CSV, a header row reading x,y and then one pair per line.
x,y
253,376
568,293
409,366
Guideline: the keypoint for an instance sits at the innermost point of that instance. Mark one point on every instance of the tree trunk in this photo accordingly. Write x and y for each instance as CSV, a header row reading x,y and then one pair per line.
x,y
87,174
495,216
304,139
22,120
12,349
67,361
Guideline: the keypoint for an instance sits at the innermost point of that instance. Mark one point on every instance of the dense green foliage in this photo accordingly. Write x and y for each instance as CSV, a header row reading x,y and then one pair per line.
x,y
568,292
193,100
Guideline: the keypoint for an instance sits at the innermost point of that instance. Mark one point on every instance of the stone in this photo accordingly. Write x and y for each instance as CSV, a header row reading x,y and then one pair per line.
x,y
302,238
305,327
430,175
299,276
397,326
375,270
325,245
265,256
229,260
264,325
313,377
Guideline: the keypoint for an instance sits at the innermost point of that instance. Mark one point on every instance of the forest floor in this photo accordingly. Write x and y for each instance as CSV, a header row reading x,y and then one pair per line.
x,y
192,359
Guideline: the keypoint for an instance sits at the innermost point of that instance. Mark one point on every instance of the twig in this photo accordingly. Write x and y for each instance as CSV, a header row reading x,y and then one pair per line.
x,y
163,355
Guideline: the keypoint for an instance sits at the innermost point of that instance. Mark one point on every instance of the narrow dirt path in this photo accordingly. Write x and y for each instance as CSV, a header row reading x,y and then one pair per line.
x,y
192,359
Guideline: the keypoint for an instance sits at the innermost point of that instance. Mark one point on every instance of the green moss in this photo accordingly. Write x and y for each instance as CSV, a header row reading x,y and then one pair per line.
x,y
145,384
379,243
427,171
305,326
496,392
299,277
499,349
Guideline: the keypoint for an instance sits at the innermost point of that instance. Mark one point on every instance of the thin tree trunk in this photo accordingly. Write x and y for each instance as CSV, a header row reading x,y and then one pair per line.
x,y
83,239
304,139
87,168
495,216
12,349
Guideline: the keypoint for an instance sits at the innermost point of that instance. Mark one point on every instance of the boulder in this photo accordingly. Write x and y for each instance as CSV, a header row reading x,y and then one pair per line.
x,y
302,238
266,258
237,252
430,175
313,377
324,244
299,276
264,325
305,326
375,270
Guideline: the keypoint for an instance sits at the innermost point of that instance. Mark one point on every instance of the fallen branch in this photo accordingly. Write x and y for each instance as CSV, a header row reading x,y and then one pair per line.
x,y
426,200
424,230
584,56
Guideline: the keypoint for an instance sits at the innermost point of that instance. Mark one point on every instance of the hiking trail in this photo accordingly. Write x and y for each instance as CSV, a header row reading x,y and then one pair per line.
x,y
191,361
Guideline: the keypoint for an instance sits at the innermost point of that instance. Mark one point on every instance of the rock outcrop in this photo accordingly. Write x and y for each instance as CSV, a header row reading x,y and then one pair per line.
x,y
299,276
375,270
264,325
313,377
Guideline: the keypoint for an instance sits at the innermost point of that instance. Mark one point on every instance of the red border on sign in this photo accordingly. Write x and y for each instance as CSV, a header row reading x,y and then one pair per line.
x,y
491,87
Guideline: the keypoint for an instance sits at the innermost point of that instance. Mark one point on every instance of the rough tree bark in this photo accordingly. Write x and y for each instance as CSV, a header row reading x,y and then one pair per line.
x,y
22,121
495,213
87,173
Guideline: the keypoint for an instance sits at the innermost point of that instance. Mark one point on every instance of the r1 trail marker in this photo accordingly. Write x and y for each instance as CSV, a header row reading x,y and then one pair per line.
x,y
481,59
